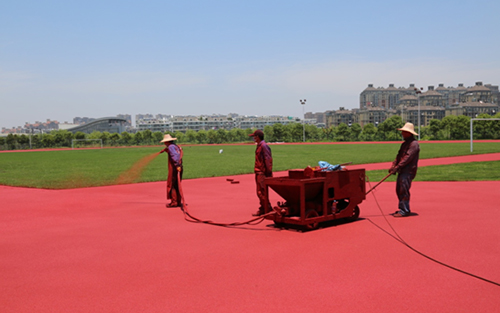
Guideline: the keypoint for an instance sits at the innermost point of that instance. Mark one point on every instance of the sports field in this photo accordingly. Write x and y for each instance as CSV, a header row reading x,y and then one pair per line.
x,y
117,248
63,169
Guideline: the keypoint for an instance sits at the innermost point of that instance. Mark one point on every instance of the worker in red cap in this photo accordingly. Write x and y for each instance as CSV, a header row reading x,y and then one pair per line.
x,y
406,165
263,167
175,170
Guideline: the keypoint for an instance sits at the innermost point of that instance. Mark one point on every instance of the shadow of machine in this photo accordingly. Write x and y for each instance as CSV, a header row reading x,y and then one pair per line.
x,y
312,197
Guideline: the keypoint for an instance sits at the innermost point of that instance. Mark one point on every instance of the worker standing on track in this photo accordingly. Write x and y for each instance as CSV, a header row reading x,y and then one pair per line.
x,y
263,167
406,165
174,169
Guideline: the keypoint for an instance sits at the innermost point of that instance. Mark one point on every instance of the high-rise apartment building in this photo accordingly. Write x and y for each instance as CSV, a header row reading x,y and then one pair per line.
x,y
417,106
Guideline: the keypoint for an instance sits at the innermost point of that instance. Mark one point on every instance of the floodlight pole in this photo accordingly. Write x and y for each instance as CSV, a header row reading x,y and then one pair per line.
x,y
418,92
303,102
31,133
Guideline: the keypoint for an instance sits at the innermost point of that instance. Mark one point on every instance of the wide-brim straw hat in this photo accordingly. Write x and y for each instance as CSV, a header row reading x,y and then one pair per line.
x,y
409,128
167,137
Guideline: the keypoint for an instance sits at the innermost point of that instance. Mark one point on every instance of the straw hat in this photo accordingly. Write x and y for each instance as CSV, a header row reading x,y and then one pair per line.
x,y
167,137
409,128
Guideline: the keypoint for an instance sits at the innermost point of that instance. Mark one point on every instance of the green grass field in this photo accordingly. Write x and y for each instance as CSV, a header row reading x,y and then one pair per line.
x,y
85,168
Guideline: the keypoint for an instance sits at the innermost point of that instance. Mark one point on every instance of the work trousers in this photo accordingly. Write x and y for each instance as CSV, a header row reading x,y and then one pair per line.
x,y
173,192
403,186
261,189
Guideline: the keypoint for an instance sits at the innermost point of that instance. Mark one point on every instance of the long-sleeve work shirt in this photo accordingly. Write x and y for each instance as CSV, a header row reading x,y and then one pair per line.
x,y
263,159
406,161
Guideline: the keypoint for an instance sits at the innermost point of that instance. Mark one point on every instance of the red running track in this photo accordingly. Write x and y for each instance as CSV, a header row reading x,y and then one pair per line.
x,y
118,249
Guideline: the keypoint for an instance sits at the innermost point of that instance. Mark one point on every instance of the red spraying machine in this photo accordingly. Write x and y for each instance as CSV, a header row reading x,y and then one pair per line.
x,y
311,197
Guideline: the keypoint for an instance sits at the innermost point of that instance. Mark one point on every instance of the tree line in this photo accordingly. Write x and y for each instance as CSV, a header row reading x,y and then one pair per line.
x,y
449,128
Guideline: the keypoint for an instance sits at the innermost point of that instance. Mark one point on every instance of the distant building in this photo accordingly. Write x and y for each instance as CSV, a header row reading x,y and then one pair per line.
x,y
181,123
82,120
348,117
104,124
126,117
318,119
431,104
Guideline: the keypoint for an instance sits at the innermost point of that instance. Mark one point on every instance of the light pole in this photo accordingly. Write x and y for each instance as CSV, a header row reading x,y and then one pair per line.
x,y
418,92
31,133
303,102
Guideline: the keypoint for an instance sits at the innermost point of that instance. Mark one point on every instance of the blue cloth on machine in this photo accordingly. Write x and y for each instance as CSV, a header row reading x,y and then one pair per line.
x,y
327,167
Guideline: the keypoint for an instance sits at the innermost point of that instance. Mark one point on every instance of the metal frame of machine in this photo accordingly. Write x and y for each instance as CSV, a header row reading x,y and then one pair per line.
x,y
312,197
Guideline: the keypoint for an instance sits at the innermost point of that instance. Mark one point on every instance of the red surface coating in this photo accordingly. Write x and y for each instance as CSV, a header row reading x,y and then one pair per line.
x,y
134,173
118,249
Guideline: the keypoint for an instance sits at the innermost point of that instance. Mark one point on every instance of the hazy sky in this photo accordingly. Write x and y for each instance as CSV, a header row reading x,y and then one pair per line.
x,y
62,59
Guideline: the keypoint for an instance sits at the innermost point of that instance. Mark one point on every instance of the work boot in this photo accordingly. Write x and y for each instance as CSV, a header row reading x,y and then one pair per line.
x,y
398,214
258,213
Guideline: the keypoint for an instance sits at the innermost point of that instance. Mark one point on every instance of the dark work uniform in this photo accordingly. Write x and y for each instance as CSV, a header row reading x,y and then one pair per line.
x,y
263,169
406,165
174,162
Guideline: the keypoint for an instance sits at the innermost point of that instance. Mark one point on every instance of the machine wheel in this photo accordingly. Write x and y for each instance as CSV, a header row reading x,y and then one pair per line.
x,y
310,214
355,214
279,224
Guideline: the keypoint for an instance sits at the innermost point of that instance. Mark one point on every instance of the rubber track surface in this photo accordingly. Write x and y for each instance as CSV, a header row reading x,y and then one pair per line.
x,y
118,249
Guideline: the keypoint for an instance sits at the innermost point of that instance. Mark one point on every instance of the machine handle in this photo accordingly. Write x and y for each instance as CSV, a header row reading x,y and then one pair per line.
x,y
387,176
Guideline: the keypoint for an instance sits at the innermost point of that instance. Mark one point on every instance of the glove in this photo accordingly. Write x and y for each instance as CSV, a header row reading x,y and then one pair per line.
x,y
393,170
178,168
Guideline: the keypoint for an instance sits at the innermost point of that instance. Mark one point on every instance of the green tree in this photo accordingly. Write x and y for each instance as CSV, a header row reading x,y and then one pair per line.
x,y
232,135
312,133
94,135
329,133
79,135
484,129
105,137
190,136
355,132
48,141
157,137
114,139
147,136
241,136
293,132
221,136
35,141
369,132
342,132
279,132
62,137
11,141
212,136
23,141
126,139
202,136
434,128
58,138
388,129
495,127
138,139
269,133
463,127
179,135
456,127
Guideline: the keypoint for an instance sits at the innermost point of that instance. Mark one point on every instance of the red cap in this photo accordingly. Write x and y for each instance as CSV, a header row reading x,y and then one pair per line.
x,y
257,133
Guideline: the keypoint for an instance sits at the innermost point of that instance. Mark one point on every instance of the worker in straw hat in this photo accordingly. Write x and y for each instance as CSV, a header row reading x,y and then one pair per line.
x,y
406,165
175,170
